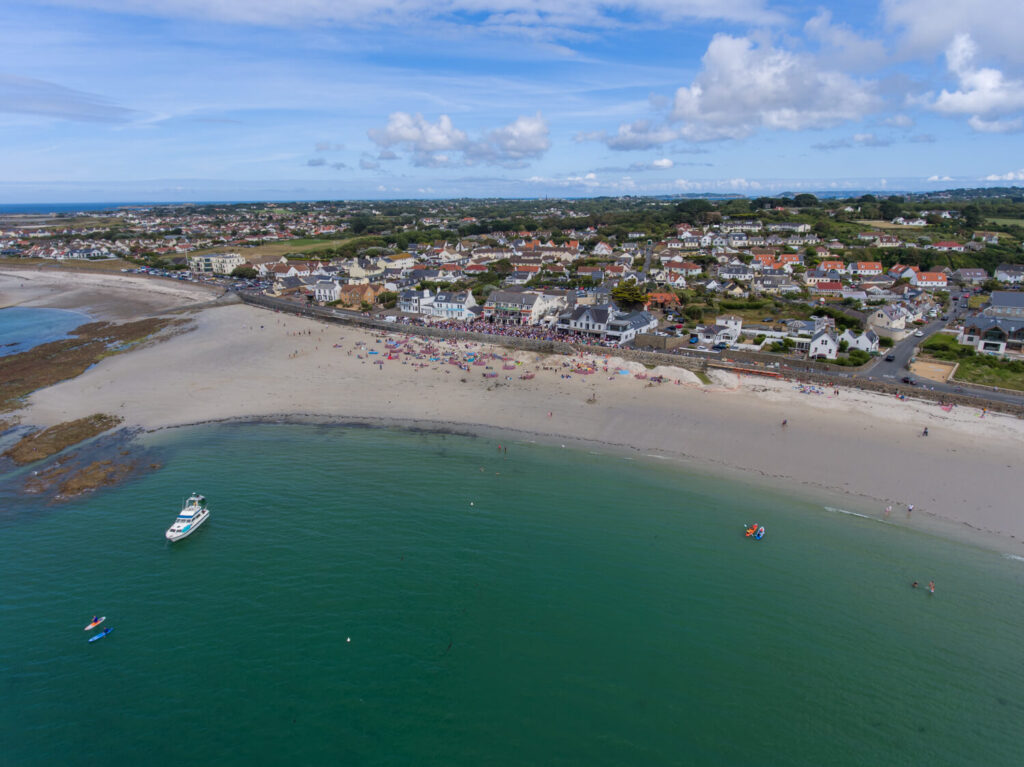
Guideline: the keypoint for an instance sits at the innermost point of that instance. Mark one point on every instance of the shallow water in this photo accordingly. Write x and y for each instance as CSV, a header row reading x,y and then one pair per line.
x,y
540,606
22,328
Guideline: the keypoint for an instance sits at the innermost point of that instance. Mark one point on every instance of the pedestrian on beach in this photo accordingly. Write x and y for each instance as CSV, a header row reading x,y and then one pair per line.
x,y
925,432
888,510
910,508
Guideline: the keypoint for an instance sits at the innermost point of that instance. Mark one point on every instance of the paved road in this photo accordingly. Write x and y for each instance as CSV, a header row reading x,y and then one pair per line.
x,y
898,368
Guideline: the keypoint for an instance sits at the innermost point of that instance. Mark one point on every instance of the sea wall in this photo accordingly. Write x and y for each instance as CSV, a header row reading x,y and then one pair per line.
x,y
804,371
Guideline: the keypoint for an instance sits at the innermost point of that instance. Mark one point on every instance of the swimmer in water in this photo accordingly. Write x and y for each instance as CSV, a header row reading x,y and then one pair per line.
x,y
913,585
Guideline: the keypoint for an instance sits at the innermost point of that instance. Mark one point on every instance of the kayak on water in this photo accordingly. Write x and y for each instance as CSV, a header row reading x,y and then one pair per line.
x,y
96,621
102,634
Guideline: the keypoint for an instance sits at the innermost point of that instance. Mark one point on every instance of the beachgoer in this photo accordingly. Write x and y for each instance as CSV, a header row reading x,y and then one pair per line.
x,y
888,510
925,432
913,585
931,587
910,508
785,421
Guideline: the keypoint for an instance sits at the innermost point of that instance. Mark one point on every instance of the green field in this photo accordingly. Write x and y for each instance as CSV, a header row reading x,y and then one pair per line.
x,y
107,265
974,368
1007,221
879,224
277,249
980,370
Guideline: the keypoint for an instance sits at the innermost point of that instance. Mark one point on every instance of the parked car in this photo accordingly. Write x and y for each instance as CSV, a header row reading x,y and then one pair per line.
x,y
890,357
720,347
693,339
909,381
919,334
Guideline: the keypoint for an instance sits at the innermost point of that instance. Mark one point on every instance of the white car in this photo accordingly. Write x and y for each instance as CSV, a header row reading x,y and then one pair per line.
x,y
919,334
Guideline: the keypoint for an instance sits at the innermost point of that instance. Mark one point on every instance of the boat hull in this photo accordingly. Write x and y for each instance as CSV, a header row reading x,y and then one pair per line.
x,y
177,535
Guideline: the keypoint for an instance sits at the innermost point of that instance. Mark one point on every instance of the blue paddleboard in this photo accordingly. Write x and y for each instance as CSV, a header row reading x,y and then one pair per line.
x,y
101,634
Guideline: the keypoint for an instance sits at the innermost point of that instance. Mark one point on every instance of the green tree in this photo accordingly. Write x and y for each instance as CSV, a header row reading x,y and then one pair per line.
x,y
629,295
805,200
890,209
972,216
245,272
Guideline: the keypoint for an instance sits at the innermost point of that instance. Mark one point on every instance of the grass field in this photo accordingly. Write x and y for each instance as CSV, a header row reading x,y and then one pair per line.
x,y
277,249
980,369
1007,221
879,224
109,265
977,370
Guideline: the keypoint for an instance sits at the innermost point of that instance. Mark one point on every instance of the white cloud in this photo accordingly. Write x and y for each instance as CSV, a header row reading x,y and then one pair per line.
x,y
642,134
995,126
743,87
663,164
928,26
24,95
982,91
940,178
511,145
1013,175
843,47
524,139
899,121
368,164
503,16
418,134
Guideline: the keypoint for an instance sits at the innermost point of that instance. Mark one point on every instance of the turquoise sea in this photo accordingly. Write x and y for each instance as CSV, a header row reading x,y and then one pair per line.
x,y
21,328
377,597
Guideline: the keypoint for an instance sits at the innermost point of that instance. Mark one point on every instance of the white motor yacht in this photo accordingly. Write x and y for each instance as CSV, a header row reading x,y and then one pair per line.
x,y
192,515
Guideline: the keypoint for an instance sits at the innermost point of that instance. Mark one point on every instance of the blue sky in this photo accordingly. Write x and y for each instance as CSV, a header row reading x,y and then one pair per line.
x,y
313,99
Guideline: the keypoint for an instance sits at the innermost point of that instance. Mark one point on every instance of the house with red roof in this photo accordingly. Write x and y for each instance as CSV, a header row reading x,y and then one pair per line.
x,y
929,280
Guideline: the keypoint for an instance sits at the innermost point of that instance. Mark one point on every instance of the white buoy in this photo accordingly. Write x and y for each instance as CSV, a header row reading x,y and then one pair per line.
x,y
348,639
471,503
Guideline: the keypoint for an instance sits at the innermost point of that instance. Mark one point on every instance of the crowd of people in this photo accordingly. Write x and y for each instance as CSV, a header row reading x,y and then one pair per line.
x,y
533,332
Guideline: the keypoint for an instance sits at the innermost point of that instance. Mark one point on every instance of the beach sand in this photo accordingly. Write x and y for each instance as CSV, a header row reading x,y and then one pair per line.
x,y
860,451
105,296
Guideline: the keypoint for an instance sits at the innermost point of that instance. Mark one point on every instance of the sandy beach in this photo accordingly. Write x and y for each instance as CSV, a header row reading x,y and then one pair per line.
x,y
858,451
105,296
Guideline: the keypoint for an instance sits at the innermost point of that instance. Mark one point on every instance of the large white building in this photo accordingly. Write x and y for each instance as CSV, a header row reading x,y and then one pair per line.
x,y
215,263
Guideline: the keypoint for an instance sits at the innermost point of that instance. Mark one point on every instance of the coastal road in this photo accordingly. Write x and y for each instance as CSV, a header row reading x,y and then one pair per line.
x,y
904,351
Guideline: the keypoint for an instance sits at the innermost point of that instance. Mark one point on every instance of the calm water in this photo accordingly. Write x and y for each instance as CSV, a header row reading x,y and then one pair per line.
x,y
543,606
21,328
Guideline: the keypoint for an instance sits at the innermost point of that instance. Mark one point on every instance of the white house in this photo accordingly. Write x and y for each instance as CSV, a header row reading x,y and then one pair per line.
x,y
415,301
866,341
453,306
1012,274
326,291
928,280
823,344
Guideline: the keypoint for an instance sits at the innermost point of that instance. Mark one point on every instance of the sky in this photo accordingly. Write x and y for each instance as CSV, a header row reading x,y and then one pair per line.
x,y
178,100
